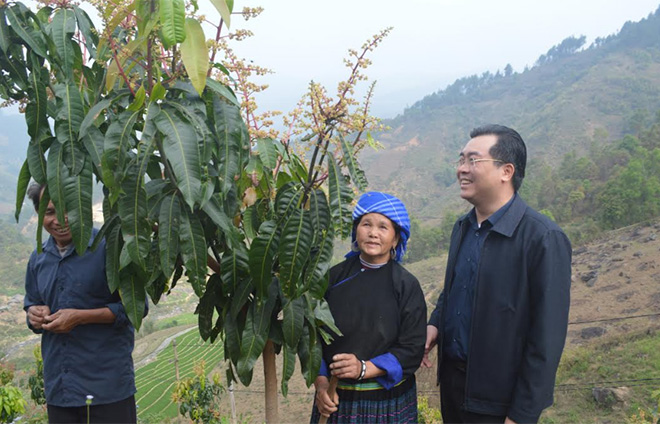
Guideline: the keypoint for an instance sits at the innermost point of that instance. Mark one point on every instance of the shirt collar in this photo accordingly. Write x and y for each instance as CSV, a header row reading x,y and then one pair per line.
x,y
495,217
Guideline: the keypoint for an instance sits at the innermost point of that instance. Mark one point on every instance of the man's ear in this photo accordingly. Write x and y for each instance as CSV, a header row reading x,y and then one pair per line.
x,y
508,170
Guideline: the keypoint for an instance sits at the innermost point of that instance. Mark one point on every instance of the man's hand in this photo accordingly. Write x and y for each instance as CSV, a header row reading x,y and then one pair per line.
x,y
345,365
509,421
325,405
62,321
36,315
431,341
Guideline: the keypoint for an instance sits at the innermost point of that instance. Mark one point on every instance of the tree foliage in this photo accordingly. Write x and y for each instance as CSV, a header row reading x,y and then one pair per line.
x,y
141,107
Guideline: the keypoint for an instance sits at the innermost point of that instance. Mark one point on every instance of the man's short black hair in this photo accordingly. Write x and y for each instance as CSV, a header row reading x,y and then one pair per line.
x,y
34,193
510,148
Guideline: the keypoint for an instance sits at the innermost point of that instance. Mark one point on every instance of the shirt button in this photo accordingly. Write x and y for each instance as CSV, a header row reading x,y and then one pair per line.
x,y
468,259
454,340
477,234
458,313
464,287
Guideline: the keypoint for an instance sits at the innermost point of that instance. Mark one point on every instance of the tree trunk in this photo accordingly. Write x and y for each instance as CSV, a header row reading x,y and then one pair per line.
x,y
270,377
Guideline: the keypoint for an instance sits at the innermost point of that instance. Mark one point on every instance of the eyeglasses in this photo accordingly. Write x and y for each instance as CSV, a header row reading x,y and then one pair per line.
x,y
473,161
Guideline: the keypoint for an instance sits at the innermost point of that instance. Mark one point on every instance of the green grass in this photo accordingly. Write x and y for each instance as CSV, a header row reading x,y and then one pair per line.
x,y
615,362
156,380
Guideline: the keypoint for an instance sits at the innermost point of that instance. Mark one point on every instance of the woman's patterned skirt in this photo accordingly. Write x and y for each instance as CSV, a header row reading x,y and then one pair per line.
x,y
369,402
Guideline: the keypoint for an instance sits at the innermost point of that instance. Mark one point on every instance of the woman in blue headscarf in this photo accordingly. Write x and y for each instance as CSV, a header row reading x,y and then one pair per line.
x,y
380,310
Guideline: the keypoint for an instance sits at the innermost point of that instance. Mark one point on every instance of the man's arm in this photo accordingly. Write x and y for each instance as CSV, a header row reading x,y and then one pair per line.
x,y
33,304
432,331
65,320
549,285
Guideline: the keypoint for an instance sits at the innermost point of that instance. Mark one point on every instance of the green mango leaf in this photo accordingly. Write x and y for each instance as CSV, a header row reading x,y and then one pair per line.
x,y
62,28
324,317
134,220
309,353
288,198
70,112
214,210
222,90
86,28
43,205
158,92
268,152
133,296
107,227
288,367
232,338
172,20
319,210
16,15
78,197
119,139
294,248
36,161
350,160
181,147
340,199
255,335
93,143
138,101
229,129
293,319
93,113
21,188
113,247
56,172
6,33
36,110
224,9
195,55
234,268
262,255
168,232
193,250
316,274
206,308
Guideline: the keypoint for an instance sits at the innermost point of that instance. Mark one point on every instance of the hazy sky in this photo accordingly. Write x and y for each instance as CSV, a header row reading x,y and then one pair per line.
x,y
434,42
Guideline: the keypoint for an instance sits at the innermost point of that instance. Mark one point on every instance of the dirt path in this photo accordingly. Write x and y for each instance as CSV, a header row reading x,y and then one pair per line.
x,y
160,348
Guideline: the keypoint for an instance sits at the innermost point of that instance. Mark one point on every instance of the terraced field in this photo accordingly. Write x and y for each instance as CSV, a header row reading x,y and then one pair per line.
x,y
156,380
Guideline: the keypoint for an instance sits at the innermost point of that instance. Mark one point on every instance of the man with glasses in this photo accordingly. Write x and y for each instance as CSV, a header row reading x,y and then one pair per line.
x,y
500,322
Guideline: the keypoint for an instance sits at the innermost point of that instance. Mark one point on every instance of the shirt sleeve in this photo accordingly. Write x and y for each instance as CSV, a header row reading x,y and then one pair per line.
x,y
32,295
324,371
409,346
121,319
550,284
394,373
437,312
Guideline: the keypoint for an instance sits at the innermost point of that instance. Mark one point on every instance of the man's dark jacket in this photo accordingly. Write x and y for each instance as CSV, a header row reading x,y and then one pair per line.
x,y
520,313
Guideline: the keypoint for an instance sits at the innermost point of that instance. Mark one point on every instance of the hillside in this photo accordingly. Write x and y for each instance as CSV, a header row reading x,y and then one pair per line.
x,y
571,98
614,319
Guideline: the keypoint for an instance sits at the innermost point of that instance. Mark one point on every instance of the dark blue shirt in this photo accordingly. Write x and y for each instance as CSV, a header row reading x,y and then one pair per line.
x,y
458,315
92,359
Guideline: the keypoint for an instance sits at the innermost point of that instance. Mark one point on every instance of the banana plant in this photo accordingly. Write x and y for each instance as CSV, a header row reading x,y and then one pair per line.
x,y
188,194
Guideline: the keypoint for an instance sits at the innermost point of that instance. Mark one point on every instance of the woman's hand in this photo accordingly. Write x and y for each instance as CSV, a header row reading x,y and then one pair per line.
x,y
346,365
324,403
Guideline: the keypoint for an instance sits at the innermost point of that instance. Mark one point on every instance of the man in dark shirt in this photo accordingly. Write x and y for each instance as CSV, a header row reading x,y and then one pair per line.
x,y
501,319
87,339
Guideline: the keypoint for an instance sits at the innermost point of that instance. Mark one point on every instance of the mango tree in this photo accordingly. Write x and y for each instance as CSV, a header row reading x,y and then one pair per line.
x,y
139,107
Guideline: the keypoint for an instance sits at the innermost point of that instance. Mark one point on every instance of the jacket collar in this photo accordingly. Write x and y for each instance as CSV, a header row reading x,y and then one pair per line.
x,y
508,222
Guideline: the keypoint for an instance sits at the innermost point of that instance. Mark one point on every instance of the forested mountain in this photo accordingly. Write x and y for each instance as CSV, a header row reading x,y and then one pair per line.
x,y
574,98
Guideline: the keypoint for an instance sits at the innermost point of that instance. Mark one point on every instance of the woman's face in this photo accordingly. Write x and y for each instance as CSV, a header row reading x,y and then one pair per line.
x,y
375,236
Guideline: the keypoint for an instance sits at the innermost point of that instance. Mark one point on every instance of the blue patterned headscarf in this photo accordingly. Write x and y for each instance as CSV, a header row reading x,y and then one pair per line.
x,y
389,206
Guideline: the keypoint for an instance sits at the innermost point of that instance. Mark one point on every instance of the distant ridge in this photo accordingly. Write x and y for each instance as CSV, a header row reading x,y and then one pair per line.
x,y
573,96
